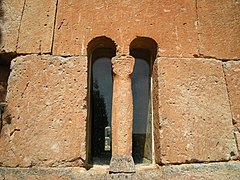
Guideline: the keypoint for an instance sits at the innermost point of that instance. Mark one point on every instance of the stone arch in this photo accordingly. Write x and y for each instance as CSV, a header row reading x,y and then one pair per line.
x,y
100,42
100,51
144,50
145,43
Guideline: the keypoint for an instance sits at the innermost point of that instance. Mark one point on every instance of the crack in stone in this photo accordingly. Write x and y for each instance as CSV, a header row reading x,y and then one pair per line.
x,y
54,26
24,4
197,27
40,47
25,89
201,56
11,133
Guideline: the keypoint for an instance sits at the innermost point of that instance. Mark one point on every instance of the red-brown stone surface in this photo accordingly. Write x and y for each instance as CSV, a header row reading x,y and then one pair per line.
x,y
122,115
170,23
36,31
45,122
195,122
10,22
219,30
122,107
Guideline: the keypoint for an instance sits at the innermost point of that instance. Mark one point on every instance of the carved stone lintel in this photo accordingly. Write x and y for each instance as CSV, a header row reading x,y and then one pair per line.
x,y
122,165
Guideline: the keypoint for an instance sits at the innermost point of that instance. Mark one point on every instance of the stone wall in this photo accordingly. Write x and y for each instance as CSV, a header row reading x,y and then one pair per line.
x,y
196,85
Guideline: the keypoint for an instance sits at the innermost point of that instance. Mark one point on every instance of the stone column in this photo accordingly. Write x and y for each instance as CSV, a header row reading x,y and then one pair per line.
x,y
122,115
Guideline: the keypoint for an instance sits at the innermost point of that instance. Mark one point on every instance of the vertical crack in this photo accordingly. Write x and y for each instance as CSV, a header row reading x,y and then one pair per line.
x,y
24,89
54,26
197,24
230,105
24,4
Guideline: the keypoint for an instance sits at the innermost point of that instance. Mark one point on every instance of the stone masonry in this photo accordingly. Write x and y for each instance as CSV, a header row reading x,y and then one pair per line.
x,y
45,67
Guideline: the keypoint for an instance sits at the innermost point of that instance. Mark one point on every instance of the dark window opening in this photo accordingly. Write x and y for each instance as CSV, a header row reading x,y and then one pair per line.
x,y
101,105
5,61
142,109
4,73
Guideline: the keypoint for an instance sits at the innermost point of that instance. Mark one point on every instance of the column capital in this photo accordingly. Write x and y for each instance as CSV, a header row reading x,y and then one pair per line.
x,y
123,65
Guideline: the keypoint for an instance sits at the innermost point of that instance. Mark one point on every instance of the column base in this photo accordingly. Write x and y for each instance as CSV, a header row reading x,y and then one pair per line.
x,y
122,165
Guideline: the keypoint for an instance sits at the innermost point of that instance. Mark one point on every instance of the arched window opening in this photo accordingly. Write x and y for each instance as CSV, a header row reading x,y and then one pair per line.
x,y
144,51
142,116
100,115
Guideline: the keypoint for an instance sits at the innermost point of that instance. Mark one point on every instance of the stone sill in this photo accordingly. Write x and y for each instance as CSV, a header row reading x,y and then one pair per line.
x,y
138,167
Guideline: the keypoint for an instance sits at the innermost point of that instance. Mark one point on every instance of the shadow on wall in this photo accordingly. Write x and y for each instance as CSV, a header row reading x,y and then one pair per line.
x,y
1,20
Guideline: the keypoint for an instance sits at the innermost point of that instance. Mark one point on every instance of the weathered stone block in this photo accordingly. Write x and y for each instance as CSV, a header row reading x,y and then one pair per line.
x,y
10,21
45,122
219,171
37,26
213,171
195,122
232,74
170,23
219,30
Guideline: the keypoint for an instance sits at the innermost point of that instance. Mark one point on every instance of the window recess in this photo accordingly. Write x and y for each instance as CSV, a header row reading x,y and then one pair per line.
x,y
5,61
101,105
142,108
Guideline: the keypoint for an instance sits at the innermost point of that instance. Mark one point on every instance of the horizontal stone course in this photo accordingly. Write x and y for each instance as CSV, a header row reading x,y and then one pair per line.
x,y
170,23
220,171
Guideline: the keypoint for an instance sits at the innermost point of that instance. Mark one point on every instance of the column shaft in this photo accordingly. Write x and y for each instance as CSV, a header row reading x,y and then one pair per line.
x,y
122,115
